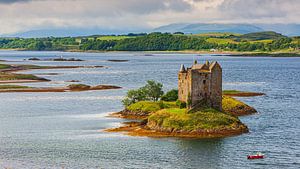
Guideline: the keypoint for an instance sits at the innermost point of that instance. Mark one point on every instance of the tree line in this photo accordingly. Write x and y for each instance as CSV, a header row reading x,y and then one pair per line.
x,y
145,42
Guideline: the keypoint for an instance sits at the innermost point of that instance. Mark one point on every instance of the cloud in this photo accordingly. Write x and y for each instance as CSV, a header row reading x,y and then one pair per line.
x,y
22,15
12,1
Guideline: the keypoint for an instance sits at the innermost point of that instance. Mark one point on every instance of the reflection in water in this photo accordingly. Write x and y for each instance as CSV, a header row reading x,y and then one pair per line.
x,y
207,152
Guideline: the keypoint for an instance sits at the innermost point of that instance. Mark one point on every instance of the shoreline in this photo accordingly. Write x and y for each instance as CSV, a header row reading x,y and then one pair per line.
x,y
11,70
22,81
236,93
217,53
141,130
59,89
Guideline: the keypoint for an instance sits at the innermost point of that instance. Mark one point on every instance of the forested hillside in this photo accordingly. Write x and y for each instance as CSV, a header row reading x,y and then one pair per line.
x,y
257,42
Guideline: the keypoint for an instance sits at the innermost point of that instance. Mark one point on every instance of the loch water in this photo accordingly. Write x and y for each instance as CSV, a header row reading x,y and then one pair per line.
x,y
65,130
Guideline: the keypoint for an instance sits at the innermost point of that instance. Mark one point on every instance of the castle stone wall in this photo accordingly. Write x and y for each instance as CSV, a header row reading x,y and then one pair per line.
x,y
201,83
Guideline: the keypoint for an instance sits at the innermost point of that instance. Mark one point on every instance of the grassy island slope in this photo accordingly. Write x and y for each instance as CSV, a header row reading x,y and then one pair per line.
x,y
143,109
164,119
176,122
236,107
205,121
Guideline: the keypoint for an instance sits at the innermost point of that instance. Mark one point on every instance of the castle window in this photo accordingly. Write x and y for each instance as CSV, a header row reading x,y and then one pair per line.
x,y
204,81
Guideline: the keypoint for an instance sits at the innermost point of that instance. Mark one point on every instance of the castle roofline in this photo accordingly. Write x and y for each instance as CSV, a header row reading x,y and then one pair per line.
x,y
214,64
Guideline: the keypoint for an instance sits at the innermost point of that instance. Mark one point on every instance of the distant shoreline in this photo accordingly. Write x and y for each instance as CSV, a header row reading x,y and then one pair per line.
x,y
217,53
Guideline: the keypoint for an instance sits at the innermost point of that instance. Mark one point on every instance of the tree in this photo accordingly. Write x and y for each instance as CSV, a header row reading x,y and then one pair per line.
x,y
171,95
134,96
153,90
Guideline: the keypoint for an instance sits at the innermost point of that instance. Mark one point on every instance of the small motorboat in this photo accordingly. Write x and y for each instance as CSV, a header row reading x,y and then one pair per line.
x,y
256,156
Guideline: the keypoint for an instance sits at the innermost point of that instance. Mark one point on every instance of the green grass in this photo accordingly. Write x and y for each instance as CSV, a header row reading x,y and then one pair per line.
x,y
220,40
4,66
148,106
11,76
229,103
13,87
265,41
179,119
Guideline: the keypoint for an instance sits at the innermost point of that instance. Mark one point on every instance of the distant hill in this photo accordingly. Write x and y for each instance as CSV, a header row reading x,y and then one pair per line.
x,y
72,32
261,36
206,28
188,28
286,29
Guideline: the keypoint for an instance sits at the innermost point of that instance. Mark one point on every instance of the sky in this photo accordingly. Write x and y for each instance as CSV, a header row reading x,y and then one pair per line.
x,y
24,15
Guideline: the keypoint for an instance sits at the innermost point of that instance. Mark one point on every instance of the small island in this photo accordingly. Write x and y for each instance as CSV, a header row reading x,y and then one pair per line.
x,y
69,88
8,75
61,59
236,93
117,60
198,109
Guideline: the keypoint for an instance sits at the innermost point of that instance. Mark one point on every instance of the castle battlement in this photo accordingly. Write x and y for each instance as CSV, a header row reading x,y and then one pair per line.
x,y
201,83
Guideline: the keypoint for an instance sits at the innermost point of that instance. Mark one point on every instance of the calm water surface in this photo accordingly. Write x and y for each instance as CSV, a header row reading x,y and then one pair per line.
x,y
64,130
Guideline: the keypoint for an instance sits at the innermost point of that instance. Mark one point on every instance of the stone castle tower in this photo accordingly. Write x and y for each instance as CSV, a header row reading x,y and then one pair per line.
x,y
202,83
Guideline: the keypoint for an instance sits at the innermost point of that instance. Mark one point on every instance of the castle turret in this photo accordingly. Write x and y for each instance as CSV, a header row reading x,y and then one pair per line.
x,y
182,68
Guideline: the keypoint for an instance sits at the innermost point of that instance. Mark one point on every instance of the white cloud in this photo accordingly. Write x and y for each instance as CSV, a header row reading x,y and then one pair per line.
x,y
22,15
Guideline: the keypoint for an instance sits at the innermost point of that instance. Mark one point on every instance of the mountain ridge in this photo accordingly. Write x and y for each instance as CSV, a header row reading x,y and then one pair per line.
x,y
188,28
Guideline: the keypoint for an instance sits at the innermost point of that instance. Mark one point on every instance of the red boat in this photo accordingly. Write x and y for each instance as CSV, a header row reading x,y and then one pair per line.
x,y
256,156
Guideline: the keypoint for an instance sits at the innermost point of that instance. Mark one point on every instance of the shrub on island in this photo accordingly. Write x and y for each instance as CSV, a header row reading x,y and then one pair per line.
x,y
171,95
152,91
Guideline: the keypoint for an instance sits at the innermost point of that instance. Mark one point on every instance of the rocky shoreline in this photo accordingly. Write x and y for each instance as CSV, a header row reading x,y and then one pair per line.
x,y
236,93
133,115
142,129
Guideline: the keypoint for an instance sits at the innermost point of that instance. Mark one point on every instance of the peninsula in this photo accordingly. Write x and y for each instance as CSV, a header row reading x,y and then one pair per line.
x,y
197,109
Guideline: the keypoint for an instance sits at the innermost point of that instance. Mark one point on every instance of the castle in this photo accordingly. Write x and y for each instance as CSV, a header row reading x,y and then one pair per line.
x,y
202,83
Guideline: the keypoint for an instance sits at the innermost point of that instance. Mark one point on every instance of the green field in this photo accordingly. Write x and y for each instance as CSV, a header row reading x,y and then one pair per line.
x,y
221,41
113,37
217,34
